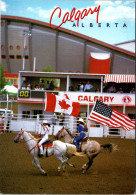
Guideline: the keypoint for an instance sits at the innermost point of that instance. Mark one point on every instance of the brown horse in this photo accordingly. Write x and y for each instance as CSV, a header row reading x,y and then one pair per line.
x,y
89,147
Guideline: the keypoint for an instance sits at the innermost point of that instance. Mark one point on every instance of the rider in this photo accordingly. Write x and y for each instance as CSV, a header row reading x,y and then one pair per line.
x,y
80,130
45,131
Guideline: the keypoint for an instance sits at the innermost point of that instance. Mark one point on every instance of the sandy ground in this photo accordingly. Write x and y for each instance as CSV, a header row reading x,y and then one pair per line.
x,y
111,173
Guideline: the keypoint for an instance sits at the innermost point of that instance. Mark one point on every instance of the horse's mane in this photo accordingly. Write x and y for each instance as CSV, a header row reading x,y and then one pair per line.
x,y
32,137
69,132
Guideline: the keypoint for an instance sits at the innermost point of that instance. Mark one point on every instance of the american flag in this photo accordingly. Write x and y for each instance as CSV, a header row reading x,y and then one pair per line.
x,y
105,115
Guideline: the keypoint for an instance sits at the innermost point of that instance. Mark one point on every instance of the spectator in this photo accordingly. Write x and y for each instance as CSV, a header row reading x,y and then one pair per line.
x,y
53,118
97,90
52,86
112,89
81,87
36,87
47,85
132,91
28,87
42,83
120,90
30,83
88,87
41,87
23,87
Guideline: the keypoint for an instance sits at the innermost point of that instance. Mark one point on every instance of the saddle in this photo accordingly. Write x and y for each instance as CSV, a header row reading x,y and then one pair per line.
x,y
80,142
47,144
85,139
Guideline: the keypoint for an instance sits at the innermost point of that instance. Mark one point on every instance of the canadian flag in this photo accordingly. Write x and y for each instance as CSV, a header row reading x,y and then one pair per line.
x,y
55,103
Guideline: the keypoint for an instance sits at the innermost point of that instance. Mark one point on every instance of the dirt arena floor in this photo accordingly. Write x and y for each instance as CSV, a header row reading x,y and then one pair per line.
x,y
111,173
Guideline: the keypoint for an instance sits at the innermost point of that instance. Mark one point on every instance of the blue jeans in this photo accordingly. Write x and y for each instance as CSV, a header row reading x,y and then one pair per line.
x,y
80,137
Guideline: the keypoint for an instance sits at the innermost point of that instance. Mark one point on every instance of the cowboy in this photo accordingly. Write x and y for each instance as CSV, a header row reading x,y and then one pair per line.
x,y
80,130
45,131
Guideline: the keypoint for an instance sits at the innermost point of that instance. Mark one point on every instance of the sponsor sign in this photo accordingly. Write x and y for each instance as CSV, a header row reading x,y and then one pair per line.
x,y
108,98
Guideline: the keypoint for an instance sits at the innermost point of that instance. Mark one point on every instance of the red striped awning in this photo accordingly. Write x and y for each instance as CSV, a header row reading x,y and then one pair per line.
x,y
117,78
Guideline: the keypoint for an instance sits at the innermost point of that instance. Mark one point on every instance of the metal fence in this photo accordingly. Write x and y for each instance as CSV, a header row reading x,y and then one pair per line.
x,y
32,123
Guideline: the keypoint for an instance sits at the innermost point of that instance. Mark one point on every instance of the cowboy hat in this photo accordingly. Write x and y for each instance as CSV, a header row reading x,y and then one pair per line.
x,y
45,122
80,120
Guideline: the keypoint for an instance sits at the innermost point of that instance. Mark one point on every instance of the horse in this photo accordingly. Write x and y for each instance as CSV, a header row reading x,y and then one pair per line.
x,y
90,148
58,149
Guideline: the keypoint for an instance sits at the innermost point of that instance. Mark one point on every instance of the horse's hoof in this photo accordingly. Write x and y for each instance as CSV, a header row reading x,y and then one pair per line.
x,y
83,171
45,174
59,171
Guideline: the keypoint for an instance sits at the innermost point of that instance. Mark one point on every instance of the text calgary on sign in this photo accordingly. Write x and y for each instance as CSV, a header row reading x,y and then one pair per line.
x,y
73,15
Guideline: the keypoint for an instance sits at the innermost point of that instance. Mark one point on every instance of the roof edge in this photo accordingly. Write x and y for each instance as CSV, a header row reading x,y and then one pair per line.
x,y
69,32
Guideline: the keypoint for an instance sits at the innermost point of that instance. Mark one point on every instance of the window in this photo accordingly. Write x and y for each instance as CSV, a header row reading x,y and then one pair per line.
x,y
25,114
2,47
18,47
26,57
12,57
18,57
3,56
11,47
36,112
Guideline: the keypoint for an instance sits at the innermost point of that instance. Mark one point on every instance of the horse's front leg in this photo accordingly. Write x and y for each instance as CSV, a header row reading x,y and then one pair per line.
x,y
36,163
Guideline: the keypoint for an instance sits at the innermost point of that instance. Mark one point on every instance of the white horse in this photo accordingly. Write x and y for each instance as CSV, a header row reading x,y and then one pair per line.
x,y
59,150
89,147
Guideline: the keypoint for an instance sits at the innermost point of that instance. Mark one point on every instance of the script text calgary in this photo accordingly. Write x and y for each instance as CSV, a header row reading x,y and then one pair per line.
x,y
73,15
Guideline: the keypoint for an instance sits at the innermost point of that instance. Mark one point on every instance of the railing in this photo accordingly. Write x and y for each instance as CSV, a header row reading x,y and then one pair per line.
x,y
32,123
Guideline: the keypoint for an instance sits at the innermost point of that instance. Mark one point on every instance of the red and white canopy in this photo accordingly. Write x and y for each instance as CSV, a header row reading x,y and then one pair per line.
x,y
117,78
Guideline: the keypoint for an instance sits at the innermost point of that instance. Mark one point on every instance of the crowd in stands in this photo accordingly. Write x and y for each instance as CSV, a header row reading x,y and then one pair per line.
x,y
119,88
108,87
82,87
40,86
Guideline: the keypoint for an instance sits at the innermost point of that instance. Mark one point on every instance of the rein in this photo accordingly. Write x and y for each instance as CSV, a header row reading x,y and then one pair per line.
x,y
62,131
68,132
22,142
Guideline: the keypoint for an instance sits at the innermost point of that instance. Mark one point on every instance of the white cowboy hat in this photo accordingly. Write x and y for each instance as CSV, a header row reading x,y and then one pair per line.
x,y
80,120
45,121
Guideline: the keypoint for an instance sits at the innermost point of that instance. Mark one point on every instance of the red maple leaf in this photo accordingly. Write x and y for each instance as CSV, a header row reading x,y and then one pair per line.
x,y
64,105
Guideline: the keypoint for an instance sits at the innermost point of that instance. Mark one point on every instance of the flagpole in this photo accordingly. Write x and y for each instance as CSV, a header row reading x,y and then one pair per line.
x,y
124,110
7,101
88,110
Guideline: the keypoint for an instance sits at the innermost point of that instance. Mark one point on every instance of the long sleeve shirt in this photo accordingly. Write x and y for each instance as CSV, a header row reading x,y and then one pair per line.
x,y
80,128
88,87
45,130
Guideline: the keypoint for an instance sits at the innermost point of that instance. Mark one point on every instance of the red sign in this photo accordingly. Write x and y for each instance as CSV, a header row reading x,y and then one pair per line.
x,y
126,99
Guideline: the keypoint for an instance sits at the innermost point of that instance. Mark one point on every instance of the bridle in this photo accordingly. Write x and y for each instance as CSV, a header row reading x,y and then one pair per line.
x,y
21,134
59,132
21,142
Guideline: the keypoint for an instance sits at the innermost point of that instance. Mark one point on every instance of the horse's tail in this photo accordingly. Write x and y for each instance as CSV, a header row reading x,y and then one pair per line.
x,y
71,149
111,147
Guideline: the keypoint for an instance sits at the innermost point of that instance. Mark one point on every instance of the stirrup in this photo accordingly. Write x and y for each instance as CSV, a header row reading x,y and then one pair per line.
x,y
40,155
